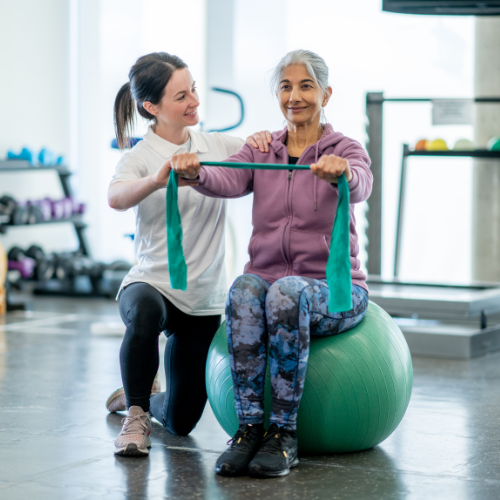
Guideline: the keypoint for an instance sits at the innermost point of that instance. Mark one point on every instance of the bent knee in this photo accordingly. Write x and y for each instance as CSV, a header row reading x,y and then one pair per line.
x,y
247,288
289,287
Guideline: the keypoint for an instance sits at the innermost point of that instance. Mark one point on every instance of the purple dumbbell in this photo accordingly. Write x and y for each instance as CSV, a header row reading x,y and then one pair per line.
x,y
68,207
46,208
26,267
81,208
58,209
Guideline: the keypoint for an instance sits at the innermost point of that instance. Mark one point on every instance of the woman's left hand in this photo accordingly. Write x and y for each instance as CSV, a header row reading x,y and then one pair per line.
x,y
330,167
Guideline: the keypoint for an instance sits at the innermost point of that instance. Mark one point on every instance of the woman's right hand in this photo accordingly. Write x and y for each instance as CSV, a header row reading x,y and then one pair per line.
x,y
161,177
186,165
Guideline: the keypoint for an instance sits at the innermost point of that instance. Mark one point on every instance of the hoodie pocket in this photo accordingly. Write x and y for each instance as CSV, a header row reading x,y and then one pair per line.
x,y
265,251
309,253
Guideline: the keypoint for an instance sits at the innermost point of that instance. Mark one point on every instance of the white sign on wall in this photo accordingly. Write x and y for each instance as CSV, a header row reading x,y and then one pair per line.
x,y
452,112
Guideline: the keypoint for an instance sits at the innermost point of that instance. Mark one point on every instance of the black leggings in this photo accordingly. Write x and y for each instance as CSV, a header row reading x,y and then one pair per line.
x,y
146,313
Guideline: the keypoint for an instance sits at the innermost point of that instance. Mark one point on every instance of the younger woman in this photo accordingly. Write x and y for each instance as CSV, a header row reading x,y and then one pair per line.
x,y
282,298
162,90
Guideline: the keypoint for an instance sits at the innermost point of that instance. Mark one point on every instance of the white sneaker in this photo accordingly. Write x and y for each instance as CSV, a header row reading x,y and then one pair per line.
x,y
134,440
117,402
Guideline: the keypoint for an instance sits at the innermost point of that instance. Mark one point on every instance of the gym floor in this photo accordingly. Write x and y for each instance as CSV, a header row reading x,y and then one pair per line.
x,y
59,363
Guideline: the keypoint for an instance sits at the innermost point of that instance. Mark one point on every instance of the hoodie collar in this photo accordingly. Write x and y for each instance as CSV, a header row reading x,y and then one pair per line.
x,y
167,149
328,138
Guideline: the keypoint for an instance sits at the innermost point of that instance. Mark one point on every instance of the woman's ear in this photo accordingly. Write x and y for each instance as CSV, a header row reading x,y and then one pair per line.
x,y
150,108
328,94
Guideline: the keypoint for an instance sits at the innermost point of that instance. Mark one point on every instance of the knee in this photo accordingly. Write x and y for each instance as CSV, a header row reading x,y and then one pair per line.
x,y
144,312
246,287
284,293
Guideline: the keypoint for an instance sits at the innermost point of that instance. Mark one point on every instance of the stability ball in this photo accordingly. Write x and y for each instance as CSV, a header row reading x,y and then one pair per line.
x,y
357,388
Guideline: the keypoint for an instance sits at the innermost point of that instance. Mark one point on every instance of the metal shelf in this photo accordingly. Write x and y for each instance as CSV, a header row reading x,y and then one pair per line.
x,y
476,153
76,220
64,174
23,165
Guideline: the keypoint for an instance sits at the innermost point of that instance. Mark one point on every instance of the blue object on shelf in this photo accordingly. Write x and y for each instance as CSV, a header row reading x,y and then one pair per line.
x,y
133,142
25,154
48,158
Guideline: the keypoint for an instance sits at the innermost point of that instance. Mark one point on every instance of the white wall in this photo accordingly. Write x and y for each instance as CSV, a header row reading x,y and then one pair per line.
x,y
34,111
34,75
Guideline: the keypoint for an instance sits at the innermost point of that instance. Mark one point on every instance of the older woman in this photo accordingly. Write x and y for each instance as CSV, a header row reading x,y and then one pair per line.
x,y
282,298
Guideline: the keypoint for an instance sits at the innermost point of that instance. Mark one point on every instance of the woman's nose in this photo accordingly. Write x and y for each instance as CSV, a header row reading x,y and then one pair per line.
x,y
194,101
294,95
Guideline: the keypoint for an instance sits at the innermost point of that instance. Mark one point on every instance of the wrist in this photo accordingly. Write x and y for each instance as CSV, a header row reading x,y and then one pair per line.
x,y
154,184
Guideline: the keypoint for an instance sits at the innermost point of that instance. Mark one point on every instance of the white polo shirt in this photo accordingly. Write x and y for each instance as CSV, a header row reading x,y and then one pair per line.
x,y
203,224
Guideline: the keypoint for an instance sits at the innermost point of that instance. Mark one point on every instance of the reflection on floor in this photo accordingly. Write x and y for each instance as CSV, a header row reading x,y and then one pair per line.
x,y
59,363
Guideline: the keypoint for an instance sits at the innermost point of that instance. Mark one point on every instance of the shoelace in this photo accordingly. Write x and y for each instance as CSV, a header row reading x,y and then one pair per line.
x,y
239,439
134,425
272,441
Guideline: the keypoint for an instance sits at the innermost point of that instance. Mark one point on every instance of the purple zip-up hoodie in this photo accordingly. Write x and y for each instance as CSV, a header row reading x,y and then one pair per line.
x,y
293,212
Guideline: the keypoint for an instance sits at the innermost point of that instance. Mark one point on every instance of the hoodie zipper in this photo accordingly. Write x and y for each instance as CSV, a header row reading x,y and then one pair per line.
x,y
286,229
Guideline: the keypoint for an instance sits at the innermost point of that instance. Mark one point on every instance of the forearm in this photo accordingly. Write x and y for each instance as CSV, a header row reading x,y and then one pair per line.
x,y
126,194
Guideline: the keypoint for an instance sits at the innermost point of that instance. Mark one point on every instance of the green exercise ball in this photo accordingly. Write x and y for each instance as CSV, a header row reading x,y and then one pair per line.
x,y
358,386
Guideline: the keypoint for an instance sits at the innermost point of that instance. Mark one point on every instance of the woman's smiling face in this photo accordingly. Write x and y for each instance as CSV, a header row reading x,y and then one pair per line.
x,y
300,97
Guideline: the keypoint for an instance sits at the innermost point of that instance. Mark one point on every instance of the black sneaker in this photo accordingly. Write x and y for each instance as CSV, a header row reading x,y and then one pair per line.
x,y
277,454
244,445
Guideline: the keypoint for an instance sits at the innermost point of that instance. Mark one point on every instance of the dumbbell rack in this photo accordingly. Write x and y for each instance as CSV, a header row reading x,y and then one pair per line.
x,y
64,175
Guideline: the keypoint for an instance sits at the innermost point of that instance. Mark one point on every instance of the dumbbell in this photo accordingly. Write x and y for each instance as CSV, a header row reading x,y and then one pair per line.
x,y
17,212
34,213
64,265
45,264
18,261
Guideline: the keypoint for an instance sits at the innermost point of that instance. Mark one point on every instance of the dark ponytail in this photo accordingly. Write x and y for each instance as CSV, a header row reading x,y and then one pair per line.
x,y
147,80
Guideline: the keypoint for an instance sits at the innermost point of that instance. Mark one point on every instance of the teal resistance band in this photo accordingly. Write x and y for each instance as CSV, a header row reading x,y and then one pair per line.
x,y
338,267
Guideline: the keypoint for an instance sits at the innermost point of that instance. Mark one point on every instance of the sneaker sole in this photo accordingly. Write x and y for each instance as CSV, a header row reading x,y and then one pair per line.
x,y
264,474
220,471
133,451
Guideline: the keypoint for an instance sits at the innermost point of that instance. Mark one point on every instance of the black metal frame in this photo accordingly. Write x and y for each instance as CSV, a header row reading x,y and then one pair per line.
x,y
375,114
64,175
443,7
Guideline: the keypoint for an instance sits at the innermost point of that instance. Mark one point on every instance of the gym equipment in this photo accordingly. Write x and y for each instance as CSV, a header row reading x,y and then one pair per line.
x,y
34,214
357,388
16,213
44,264
438,319
3,277
25,154
464,145
493,144
421,145
48,158
18,261
437,145
338,267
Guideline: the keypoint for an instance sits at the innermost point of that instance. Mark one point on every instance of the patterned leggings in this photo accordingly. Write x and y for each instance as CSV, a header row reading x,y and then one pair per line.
x,y
284,315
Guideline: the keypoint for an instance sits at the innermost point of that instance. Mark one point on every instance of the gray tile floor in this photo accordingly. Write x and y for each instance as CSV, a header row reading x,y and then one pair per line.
x,y
56,436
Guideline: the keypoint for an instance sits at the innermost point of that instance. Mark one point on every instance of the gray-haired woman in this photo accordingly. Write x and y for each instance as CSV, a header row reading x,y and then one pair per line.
x,y
282,298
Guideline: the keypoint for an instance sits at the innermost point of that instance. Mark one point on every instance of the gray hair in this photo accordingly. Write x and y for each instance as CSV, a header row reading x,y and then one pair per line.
x,y
314,64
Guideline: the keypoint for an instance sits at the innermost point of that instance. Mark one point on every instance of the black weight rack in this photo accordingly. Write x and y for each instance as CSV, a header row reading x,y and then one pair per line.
x,y
54,287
